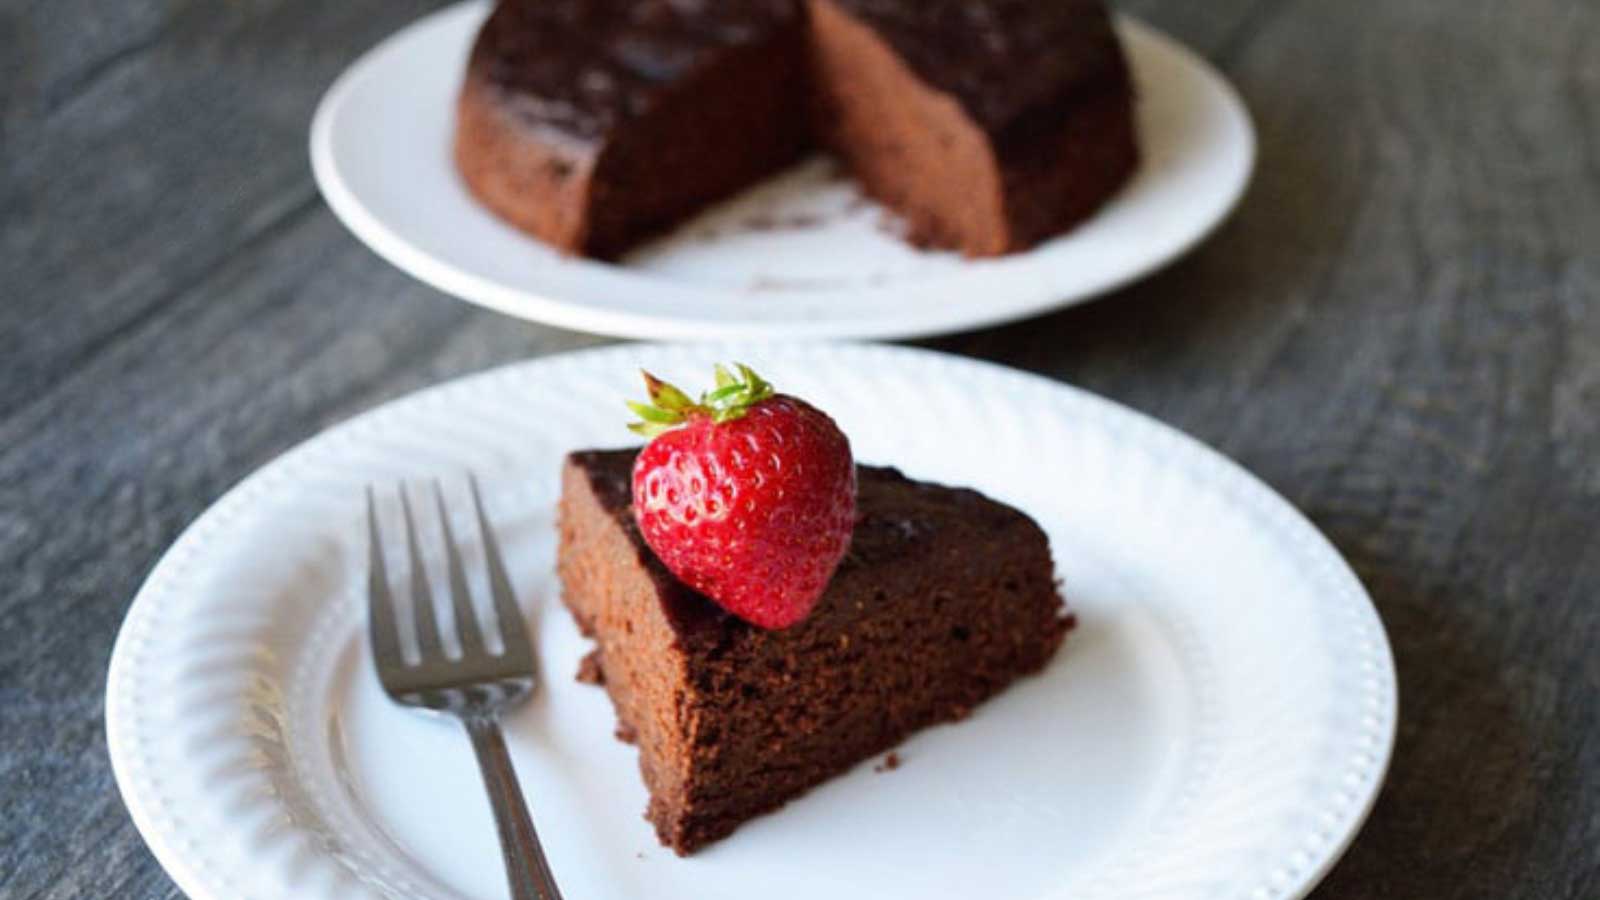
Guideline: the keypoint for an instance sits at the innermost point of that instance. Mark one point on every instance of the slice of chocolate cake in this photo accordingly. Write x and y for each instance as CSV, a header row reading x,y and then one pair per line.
x,y
944,598
989,125
593,123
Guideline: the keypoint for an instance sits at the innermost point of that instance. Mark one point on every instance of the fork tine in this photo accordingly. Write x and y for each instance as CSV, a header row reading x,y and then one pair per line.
x,y
513,634
381,626
421,594
467,628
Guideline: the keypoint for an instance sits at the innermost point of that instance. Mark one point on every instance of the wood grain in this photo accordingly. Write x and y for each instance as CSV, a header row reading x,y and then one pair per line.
x,y
1399,330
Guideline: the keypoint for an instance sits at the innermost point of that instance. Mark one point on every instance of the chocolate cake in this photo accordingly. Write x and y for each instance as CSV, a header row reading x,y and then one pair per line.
x,y
592,123
945,598
989,124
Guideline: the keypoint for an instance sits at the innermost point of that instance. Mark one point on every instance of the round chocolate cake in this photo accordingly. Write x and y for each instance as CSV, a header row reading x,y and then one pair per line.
x,y
989,125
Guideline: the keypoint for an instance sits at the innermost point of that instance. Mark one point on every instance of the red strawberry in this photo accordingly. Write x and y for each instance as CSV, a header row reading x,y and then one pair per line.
x,y
748,496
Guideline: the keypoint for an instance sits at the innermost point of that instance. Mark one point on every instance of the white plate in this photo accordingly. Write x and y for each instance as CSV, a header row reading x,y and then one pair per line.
x,y
380,149
1217,726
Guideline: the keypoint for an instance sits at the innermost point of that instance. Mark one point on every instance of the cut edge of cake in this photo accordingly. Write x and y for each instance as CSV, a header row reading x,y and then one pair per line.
x,y
983,188
732,721
720,125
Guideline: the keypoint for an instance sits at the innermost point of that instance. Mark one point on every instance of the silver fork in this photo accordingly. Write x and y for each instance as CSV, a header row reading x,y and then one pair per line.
x,y
476,687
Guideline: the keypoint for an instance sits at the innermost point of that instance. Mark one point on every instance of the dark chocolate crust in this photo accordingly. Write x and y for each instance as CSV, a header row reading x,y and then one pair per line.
x,y
945,598
1002,61
593,124
584,68
990,125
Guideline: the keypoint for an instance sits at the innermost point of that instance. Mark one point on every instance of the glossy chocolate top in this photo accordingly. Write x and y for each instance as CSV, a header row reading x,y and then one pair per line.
x,y
1002,59
898,520
581,67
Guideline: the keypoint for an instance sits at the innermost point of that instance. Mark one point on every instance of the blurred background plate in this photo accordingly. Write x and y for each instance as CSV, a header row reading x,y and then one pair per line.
x,y
802,255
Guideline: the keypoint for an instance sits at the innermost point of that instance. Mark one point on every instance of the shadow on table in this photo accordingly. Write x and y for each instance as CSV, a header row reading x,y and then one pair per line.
x,y
1137,327
1465,779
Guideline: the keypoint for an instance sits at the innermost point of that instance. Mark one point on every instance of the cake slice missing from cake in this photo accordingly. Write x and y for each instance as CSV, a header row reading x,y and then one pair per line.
x,y
944,599
989,125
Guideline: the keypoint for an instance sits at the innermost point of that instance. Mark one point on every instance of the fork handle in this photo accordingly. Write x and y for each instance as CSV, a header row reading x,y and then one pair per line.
x,y
527,871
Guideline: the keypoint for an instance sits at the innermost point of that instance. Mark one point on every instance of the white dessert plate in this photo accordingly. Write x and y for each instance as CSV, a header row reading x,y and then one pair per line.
x,y
1216,727
803,255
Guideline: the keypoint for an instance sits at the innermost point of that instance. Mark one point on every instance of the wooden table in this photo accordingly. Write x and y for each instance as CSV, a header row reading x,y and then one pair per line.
x,y
1400,330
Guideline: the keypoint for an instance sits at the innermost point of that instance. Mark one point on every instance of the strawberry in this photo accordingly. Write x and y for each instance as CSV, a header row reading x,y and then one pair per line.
x,y
748,495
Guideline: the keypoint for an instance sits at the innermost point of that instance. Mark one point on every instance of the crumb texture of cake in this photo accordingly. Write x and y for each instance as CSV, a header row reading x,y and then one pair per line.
x,y
989,125
945,598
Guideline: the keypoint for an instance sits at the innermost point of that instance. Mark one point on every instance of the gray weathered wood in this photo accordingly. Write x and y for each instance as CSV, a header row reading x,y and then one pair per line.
x,y
1400,330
